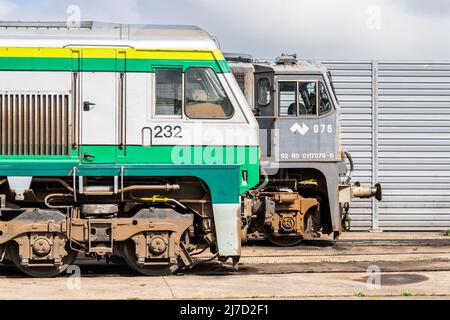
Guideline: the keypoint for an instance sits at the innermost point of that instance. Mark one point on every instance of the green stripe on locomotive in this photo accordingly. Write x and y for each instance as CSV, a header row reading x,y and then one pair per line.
x,y
103,64
222,170
211,163
106,59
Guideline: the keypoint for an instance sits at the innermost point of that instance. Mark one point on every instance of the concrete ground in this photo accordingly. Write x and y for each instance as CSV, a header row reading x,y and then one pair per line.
x,y
358,266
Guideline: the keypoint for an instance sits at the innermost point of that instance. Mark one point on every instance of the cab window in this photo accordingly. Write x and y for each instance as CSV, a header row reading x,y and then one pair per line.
x,y
287,99
324,100
307,94
168,92
205,97
263,92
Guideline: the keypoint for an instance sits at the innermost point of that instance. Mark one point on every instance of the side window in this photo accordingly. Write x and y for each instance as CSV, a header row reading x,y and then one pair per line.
x,y
287,99
205,96
324,100
168,89
307,93
263,92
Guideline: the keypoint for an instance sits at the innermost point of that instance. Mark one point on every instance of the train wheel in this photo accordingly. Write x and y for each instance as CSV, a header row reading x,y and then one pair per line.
x,y
286,241
41,272
129,252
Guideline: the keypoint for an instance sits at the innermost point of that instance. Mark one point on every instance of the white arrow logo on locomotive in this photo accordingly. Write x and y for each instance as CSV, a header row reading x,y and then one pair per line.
x,y
303,129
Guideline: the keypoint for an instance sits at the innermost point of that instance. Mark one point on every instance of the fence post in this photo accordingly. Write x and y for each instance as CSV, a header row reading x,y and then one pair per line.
x,y
375,225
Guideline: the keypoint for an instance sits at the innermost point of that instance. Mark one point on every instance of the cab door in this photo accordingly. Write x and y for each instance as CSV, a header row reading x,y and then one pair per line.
x,y
265,112
99,110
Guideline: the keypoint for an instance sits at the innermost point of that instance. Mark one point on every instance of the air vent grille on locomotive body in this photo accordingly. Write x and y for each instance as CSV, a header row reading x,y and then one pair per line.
x,y
35,124
240,78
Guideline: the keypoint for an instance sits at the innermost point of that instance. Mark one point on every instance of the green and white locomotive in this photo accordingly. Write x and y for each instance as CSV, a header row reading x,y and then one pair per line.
x,y
136,143
307,187
129,142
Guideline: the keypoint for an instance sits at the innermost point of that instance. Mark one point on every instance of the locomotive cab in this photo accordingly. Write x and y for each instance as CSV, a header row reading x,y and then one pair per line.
x,y
295,104
303,165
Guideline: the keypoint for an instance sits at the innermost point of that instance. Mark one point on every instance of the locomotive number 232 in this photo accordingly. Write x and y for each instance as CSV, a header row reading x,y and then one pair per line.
x,y
167,132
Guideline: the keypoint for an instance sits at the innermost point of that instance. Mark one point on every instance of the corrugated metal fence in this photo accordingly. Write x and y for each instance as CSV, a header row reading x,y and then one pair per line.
x,y
396,124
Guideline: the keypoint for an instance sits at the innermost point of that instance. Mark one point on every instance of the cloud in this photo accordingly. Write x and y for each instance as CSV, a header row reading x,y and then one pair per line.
x,y
320,29
421,7
6,8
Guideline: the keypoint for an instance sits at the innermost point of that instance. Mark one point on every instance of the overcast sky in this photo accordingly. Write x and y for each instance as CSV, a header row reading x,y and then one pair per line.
x,y
318,29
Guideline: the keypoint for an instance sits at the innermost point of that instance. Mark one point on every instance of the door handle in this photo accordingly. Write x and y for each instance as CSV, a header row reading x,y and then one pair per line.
x,y
87,106
87,155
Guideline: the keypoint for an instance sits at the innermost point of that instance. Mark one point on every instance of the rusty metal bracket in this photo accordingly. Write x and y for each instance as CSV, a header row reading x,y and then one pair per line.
x,y
185,257
2,201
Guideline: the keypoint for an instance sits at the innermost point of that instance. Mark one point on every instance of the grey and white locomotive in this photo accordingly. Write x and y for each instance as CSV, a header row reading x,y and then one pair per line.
x,y
302,161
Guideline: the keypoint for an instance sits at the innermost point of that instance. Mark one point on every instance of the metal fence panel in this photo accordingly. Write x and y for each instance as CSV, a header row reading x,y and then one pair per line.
x,y
396,124
414,145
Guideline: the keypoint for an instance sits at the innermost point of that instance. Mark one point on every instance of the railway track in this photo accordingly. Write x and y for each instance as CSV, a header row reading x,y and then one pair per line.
x,y
313,256
317,268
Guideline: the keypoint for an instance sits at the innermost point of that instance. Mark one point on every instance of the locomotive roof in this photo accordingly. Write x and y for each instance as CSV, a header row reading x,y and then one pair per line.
x,y
300,66
90,33
287,64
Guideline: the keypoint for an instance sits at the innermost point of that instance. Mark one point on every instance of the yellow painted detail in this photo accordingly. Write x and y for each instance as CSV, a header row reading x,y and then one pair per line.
x,y
218,55
175,55
130,53
155,199
35,52
98,53
309,182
